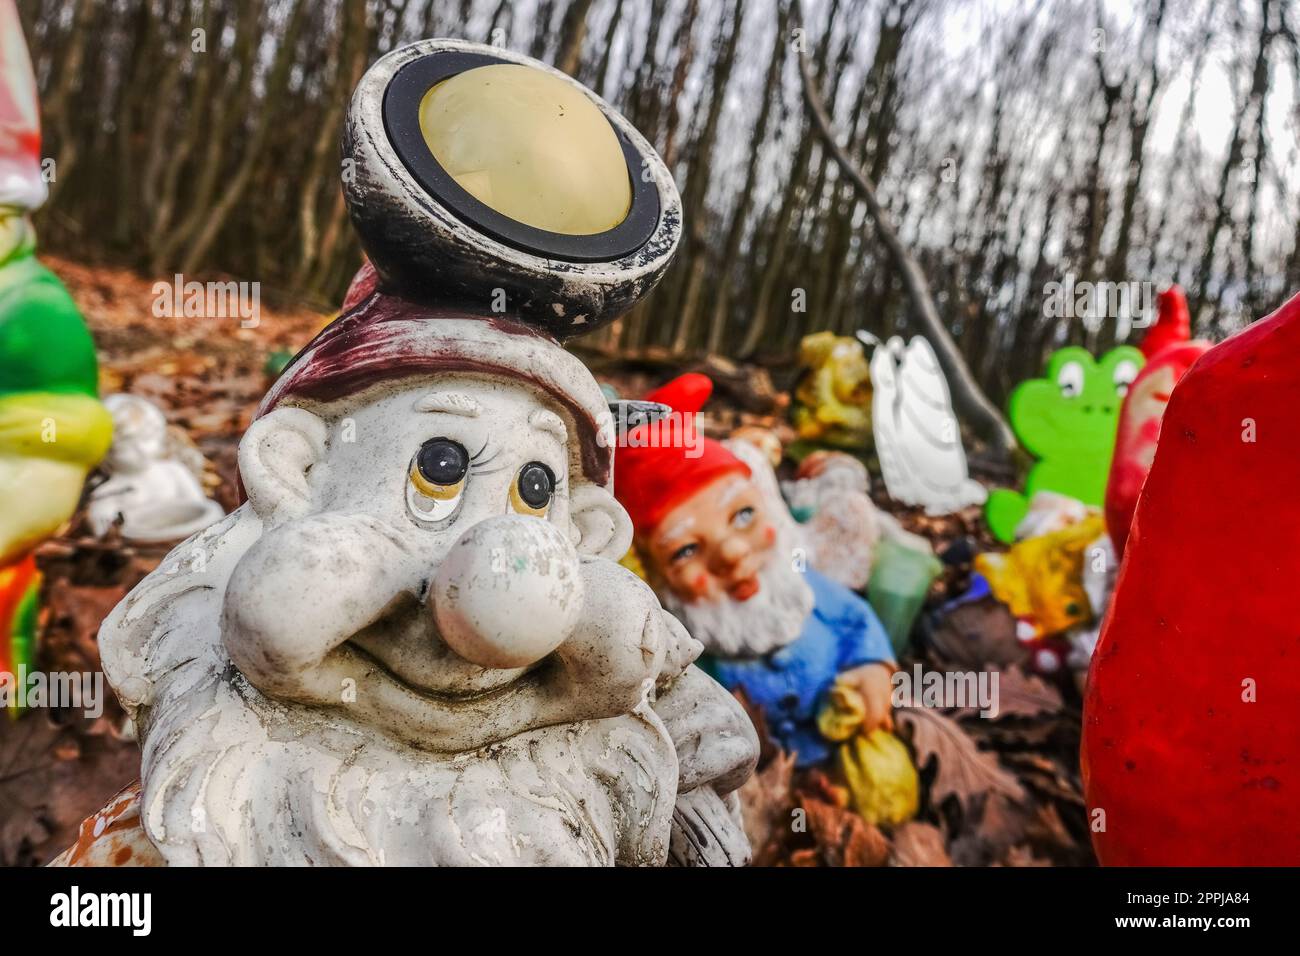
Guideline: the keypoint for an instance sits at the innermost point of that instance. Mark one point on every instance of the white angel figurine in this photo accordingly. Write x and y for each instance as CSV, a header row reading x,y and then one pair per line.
x,y
917,437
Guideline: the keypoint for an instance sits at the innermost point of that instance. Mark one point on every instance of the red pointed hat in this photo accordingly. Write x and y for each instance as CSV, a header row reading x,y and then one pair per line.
x,y
1173,323
660,465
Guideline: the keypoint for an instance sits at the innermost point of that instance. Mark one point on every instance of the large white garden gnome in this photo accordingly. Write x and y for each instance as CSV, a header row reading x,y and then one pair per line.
x,y
414,644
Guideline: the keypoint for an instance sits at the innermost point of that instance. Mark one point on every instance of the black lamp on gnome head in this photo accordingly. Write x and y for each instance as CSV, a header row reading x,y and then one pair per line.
x,y
484,180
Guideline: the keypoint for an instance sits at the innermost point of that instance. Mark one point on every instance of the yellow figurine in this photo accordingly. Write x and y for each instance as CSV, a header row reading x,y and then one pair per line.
x,y
833,397
1040,580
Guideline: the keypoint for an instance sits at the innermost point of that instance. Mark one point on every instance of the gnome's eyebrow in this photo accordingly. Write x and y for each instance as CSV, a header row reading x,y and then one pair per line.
x,y
735,487
679,528
547,421
449,403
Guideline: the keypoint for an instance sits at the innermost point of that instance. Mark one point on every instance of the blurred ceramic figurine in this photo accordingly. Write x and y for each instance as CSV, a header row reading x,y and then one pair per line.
x,y
52,428
724,559
1170,352
154,496
414,644
833,397
1191,733
834,520
918,440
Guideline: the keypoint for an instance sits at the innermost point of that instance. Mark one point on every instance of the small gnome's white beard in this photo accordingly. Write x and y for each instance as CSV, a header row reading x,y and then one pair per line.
x,y
769,620
231,777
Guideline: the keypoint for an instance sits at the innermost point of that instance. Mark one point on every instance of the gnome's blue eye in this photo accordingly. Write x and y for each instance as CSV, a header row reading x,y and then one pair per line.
x,y
743,518
684,552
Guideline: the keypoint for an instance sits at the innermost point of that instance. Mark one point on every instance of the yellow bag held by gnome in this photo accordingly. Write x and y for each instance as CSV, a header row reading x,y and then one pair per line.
x,y
883,785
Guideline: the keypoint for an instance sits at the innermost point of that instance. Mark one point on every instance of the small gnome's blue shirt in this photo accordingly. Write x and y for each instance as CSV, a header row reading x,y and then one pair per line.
x,y
791,683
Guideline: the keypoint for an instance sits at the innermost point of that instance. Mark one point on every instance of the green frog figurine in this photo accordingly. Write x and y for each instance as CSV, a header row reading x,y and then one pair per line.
x,y
1067,419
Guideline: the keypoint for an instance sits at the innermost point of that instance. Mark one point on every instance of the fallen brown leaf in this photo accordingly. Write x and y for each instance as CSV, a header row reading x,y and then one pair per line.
x,y
844,838
765,804
919,844
52,776
963,770
1020,694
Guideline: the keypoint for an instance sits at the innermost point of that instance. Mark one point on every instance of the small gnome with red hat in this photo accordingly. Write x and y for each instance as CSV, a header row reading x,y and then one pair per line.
x,y
1169,352
727,567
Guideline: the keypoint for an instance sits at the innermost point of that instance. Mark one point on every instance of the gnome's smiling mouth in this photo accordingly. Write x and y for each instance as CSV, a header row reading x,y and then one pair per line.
x,y
505,682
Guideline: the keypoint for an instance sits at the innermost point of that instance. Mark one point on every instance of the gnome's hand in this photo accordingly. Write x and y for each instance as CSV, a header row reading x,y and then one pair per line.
x,y
303,589
872,682
717,749
715,741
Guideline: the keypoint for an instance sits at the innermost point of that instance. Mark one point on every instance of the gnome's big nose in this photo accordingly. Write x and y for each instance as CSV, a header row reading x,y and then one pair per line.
x,y
508,593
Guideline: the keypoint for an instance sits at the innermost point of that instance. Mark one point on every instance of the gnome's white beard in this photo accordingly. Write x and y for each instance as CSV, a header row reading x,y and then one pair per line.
x,y
228,780
769,620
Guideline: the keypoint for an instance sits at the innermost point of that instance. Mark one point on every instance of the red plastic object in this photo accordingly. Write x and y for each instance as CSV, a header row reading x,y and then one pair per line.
x,y
1191,745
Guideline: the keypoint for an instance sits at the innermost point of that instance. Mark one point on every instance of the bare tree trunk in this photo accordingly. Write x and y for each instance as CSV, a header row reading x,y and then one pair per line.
x,y
219,132
694,201
1222,213
572,32
684,41
235,187
57,111
731,248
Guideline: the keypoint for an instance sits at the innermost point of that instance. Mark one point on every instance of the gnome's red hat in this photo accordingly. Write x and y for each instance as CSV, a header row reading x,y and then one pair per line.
x,y
660,465
1173,323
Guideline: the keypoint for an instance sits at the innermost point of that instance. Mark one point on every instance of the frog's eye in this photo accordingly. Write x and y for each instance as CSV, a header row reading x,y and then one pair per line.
x,y
533,490
1070,380
437,479
1125,372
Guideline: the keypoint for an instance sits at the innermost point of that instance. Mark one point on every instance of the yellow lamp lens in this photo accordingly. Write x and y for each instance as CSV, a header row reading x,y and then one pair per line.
x,y
530,146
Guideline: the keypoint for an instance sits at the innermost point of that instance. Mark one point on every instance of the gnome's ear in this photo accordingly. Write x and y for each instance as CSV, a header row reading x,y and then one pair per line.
x,y
275,456
602,527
